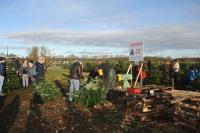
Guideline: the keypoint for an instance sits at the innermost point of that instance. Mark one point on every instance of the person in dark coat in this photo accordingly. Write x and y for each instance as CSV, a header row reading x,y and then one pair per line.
x,y
40,69
76,72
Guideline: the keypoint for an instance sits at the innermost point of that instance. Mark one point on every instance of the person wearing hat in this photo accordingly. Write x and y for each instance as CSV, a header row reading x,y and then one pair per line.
x,y
2,74
76,72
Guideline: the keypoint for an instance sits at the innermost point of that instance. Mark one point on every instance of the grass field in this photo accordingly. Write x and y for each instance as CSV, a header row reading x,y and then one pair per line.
x,y
58,73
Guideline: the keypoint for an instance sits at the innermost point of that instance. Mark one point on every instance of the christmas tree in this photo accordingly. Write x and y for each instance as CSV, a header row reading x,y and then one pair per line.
x,y
12,80
132,52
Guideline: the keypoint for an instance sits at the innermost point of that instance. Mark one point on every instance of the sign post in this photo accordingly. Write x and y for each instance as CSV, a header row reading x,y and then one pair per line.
x,y
136,55
136,51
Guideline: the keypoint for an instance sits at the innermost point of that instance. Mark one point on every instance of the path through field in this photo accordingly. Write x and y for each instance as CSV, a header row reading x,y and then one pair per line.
x,y
21,114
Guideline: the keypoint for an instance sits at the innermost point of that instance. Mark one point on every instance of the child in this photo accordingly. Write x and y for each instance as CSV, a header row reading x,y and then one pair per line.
x,y
24,73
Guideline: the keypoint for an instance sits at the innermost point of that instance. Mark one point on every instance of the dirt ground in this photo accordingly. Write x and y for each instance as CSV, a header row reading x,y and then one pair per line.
x,y
20,113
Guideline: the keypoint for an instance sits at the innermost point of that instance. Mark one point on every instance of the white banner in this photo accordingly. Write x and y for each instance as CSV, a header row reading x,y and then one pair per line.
x,y
136,51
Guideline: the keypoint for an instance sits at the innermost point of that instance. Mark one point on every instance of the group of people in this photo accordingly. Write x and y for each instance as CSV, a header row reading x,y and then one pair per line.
x,y
34,72
30,70
26,69
171,69
103,70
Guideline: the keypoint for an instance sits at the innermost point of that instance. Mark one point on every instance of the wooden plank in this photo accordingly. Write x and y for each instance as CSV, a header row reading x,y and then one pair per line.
x,y
185,124
182,93
150,85
189,106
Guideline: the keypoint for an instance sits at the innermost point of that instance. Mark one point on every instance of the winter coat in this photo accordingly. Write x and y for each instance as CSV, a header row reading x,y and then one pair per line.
x,y
32,70
23,69
2,69
39,69
191,75
75,71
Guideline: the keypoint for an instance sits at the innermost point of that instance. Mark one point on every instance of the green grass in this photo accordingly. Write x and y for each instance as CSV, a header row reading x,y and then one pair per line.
x,y
57,73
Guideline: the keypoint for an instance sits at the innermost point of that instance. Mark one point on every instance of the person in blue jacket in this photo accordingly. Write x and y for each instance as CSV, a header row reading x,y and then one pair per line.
x,y
191,75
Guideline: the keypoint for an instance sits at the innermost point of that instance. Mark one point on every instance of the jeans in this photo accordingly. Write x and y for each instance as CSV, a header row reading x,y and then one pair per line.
x,y
74,86
25,80
1,83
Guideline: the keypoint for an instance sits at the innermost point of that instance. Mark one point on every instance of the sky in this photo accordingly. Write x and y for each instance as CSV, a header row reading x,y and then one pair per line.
x,y
101,27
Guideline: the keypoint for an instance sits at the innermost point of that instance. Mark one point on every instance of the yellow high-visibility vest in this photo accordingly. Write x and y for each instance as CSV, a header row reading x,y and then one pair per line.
x,y
100,71
119,77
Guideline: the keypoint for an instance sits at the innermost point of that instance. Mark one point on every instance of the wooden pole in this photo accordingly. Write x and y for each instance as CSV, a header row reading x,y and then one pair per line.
x,y
131,74
138,75
129,68
141,75
172,83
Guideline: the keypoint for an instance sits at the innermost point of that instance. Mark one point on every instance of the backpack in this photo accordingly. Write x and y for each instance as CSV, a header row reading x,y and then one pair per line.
x,y
2,69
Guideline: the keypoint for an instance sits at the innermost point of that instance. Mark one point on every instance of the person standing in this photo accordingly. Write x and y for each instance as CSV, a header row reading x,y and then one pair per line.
x,y
24,73
191,76
40,69
176,68
32,71
76,72
2,74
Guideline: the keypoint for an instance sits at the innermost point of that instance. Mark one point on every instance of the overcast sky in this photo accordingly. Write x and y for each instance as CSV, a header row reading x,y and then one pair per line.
x,y
167,27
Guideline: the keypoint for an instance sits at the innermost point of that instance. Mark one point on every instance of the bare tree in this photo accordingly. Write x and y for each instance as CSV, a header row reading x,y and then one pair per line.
x,y
43,51
33,55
